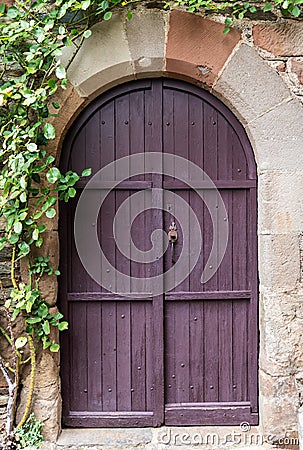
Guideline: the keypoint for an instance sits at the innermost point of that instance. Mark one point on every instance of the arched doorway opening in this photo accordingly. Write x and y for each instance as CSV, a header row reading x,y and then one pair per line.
x,y
183,357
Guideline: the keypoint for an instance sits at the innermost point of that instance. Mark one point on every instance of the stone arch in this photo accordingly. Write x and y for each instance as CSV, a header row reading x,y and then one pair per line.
x,y
181,45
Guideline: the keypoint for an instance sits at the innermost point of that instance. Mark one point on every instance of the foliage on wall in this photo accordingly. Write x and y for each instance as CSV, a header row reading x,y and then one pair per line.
x,y
33,34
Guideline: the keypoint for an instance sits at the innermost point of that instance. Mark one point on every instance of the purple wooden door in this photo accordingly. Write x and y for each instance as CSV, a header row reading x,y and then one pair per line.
x,y
188,356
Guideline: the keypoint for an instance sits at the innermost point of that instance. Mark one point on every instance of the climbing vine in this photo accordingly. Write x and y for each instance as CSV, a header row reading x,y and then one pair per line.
x,y
33,35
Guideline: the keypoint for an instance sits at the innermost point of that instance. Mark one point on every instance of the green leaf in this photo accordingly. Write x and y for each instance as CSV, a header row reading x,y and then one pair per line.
x,y
43,310
50,213
54,348
63,326
296,11
267,7
87,34
46,342
253,9
12,12
35,234
13,239
58,316
72,192
23,197
57,272
129,15
39,242
107,15
226,30
60,73
53,175
2,242
56,105
20,342
86,172
17,227
2,8
24,248
32,320
23,182
46,327
85,4
49,131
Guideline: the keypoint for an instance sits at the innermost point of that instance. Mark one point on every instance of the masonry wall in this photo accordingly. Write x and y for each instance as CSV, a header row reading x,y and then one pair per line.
x,y
257,71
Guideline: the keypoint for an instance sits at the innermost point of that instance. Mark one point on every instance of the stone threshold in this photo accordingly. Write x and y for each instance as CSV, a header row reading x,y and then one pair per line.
x,y
165,438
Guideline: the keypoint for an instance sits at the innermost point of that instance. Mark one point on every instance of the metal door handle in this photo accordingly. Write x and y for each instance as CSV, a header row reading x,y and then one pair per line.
x,y
172,233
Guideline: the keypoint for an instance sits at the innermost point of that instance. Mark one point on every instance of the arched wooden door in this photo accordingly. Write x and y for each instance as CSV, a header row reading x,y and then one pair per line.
x,y
187,356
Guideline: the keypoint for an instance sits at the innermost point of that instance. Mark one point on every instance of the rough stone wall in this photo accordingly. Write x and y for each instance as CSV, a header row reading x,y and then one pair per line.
x,y
257,70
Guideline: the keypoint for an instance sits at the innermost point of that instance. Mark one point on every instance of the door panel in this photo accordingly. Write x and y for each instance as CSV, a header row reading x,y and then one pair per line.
x,y
187,356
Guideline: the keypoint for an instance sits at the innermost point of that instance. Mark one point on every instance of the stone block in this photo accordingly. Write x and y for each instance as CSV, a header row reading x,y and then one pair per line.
x,y
280,201
281,336
296,68
280,39
278,401
103,57
146,39
47,399
249,85
197,47
279,262
277,137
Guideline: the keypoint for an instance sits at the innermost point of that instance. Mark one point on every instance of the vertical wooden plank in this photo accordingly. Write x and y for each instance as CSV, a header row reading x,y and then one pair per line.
x,y
210,125
124,362
78,397
225,351
196,147
107,212
138,356
109,356
156,144
211,351
195,131
77,158
122,141
93,161
170,353
239,163
225,149
225,173
168,147
94,356
239,239
149,357
141,228
196,349
182,351
240,340
225,270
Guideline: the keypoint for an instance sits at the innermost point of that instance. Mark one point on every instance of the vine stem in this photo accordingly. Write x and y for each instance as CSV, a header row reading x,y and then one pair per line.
x,y
12,385
13,268
27,410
